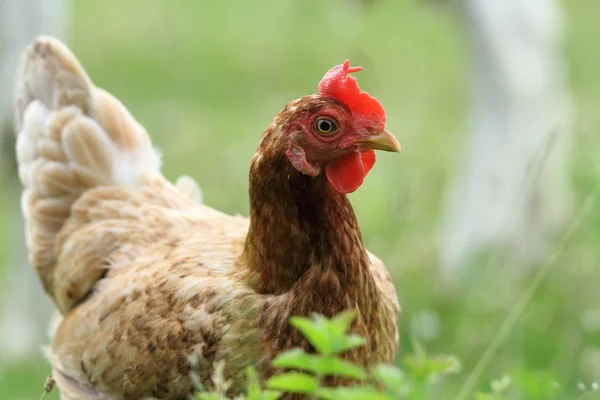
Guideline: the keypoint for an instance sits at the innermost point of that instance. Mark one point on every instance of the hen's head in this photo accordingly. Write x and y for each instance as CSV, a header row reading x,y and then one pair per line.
x,y
336,131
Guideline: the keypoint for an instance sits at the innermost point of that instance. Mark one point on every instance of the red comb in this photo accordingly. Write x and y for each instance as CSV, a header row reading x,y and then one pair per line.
x,y
338,84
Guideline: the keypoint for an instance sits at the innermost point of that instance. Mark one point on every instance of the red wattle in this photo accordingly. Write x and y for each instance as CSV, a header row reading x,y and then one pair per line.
x,y
368,159
346,174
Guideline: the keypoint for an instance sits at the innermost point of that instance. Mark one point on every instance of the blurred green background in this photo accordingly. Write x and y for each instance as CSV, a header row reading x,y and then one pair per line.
x,y
205,78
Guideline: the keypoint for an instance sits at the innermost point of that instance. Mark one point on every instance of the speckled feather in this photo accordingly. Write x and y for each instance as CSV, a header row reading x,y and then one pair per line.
x,y
154,286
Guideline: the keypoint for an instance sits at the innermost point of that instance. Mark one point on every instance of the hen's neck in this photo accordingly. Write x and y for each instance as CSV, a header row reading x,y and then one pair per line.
x,y
302,232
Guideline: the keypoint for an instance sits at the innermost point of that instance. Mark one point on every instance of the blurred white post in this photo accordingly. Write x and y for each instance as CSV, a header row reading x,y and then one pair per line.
x,y
513,186
25,309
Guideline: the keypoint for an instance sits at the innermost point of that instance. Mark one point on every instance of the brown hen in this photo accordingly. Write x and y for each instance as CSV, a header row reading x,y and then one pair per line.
x,y
151,284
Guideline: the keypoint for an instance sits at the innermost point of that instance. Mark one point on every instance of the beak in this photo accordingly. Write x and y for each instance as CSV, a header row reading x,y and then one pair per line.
x,y
383,140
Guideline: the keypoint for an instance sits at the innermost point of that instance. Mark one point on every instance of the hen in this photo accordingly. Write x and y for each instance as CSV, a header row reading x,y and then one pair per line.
x,y
147,279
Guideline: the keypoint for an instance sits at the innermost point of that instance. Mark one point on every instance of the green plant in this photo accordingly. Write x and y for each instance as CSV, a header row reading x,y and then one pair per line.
x,y
304,372
498,390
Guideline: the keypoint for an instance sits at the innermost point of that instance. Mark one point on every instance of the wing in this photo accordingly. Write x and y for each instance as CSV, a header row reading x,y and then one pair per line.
x,y
166,298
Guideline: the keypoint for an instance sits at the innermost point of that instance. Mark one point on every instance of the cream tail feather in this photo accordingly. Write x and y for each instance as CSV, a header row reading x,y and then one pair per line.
x,y
72,136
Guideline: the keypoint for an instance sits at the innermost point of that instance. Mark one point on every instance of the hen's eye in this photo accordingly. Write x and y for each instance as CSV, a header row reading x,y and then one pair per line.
x,y
325,126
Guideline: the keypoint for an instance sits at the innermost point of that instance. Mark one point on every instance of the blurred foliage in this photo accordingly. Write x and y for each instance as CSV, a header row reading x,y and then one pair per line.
x,y
419,376
205,78
304,373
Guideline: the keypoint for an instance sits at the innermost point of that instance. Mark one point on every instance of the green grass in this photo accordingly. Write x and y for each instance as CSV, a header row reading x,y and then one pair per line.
x,y
206,78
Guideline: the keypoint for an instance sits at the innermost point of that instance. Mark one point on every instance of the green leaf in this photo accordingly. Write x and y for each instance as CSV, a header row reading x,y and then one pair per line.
x,y
393,378
255,392
333,366
424,368
295,358
319,365
294,382
264,395
500,386
348,342
315,332
341,322
444,365
329,337
253,384
360,392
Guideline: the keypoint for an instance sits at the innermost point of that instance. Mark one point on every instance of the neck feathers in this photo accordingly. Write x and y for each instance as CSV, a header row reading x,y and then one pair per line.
x,y
302,232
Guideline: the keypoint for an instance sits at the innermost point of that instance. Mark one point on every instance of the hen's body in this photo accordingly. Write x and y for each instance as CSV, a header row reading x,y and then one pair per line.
x,y
153,285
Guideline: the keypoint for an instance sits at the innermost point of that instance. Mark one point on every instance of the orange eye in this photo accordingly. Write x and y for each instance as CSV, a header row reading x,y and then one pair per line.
x,y
325,126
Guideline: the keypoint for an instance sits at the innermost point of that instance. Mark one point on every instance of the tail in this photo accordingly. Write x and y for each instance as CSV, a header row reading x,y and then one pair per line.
x,y
72,136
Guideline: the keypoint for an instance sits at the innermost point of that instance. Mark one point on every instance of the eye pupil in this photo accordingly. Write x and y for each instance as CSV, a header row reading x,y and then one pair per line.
x,y
325,126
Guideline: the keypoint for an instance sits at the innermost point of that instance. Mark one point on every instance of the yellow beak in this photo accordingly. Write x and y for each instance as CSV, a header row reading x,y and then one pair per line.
x,y
380,141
